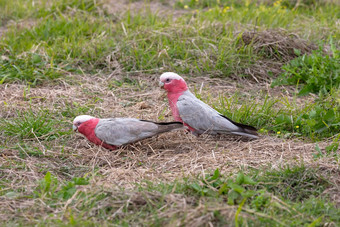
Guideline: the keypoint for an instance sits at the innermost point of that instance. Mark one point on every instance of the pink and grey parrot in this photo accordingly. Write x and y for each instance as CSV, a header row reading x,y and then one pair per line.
x,y
195,114
113,132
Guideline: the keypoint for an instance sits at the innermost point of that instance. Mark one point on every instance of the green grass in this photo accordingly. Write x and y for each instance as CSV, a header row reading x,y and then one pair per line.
x,y
206,43
316,73
286,117
256,198
57,44
24,9
16,9
79,35
53,47
31,125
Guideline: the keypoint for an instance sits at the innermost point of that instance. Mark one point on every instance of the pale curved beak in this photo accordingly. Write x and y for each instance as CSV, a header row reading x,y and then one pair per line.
x,y
161,84
75,128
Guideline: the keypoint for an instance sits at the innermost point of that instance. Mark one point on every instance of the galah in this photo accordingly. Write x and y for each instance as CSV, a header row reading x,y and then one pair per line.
x,y
195,114
113,132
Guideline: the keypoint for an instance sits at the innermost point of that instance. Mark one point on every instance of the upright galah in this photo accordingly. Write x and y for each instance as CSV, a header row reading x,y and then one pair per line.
x,y
113,132
198,116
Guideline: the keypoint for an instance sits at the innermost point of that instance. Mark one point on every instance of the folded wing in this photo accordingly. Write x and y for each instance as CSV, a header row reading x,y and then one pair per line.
x,y
119,131
203,118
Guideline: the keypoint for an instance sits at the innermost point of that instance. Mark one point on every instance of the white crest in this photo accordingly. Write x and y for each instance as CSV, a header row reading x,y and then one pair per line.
x,y
82,118
170,75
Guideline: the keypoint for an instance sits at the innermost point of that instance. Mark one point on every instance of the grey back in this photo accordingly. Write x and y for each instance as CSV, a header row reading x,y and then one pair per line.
x,y
119,131
202,117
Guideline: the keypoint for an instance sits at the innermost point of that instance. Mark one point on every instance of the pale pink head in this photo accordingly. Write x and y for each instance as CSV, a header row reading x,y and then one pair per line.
x,y
172,82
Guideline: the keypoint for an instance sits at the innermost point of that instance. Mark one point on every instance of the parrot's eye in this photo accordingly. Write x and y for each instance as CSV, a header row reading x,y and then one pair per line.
x,y
168,80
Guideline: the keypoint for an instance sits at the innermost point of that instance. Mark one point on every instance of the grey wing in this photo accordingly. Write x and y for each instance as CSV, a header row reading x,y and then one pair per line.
x,y
202,117
119,131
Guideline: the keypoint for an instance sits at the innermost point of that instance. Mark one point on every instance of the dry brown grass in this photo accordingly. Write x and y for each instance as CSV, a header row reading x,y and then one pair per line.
x,y
278,45
119,7
277,48
166,157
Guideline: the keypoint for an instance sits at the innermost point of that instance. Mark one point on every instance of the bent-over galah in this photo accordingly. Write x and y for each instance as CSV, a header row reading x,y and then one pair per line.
x,y
113,132
195,114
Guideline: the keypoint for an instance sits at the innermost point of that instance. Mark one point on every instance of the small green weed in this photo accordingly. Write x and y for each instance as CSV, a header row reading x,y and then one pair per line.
x,y
330,150
314,73
215,185
49,187
294,184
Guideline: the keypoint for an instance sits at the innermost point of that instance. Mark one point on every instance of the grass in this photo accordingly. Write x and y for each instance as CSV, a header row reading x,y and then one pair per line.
x,y
54,47
83,38
317,73
30,125
254,199
60,59
315,119
200,44
22,9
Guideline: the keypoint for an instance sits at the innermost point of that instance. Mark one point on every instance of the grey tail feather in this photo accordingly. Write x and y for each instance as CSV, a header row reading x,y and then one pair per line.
x,y
245,130
246,134
168,126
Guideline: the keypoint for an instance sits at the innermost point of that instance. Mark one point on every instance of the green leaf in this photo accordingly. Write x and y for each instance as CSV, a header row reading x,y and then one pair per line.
x,y
223,189
48,180
232,196
215,176
248,193
297,52
317,148
80,181
248,180
239,178
236,187
304,91
196,187
330,115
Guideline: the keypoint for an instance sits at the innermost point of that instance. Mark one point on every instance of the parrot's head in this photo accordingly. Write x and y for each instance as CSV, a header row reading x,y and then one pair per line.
x,y
172,82
79,120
